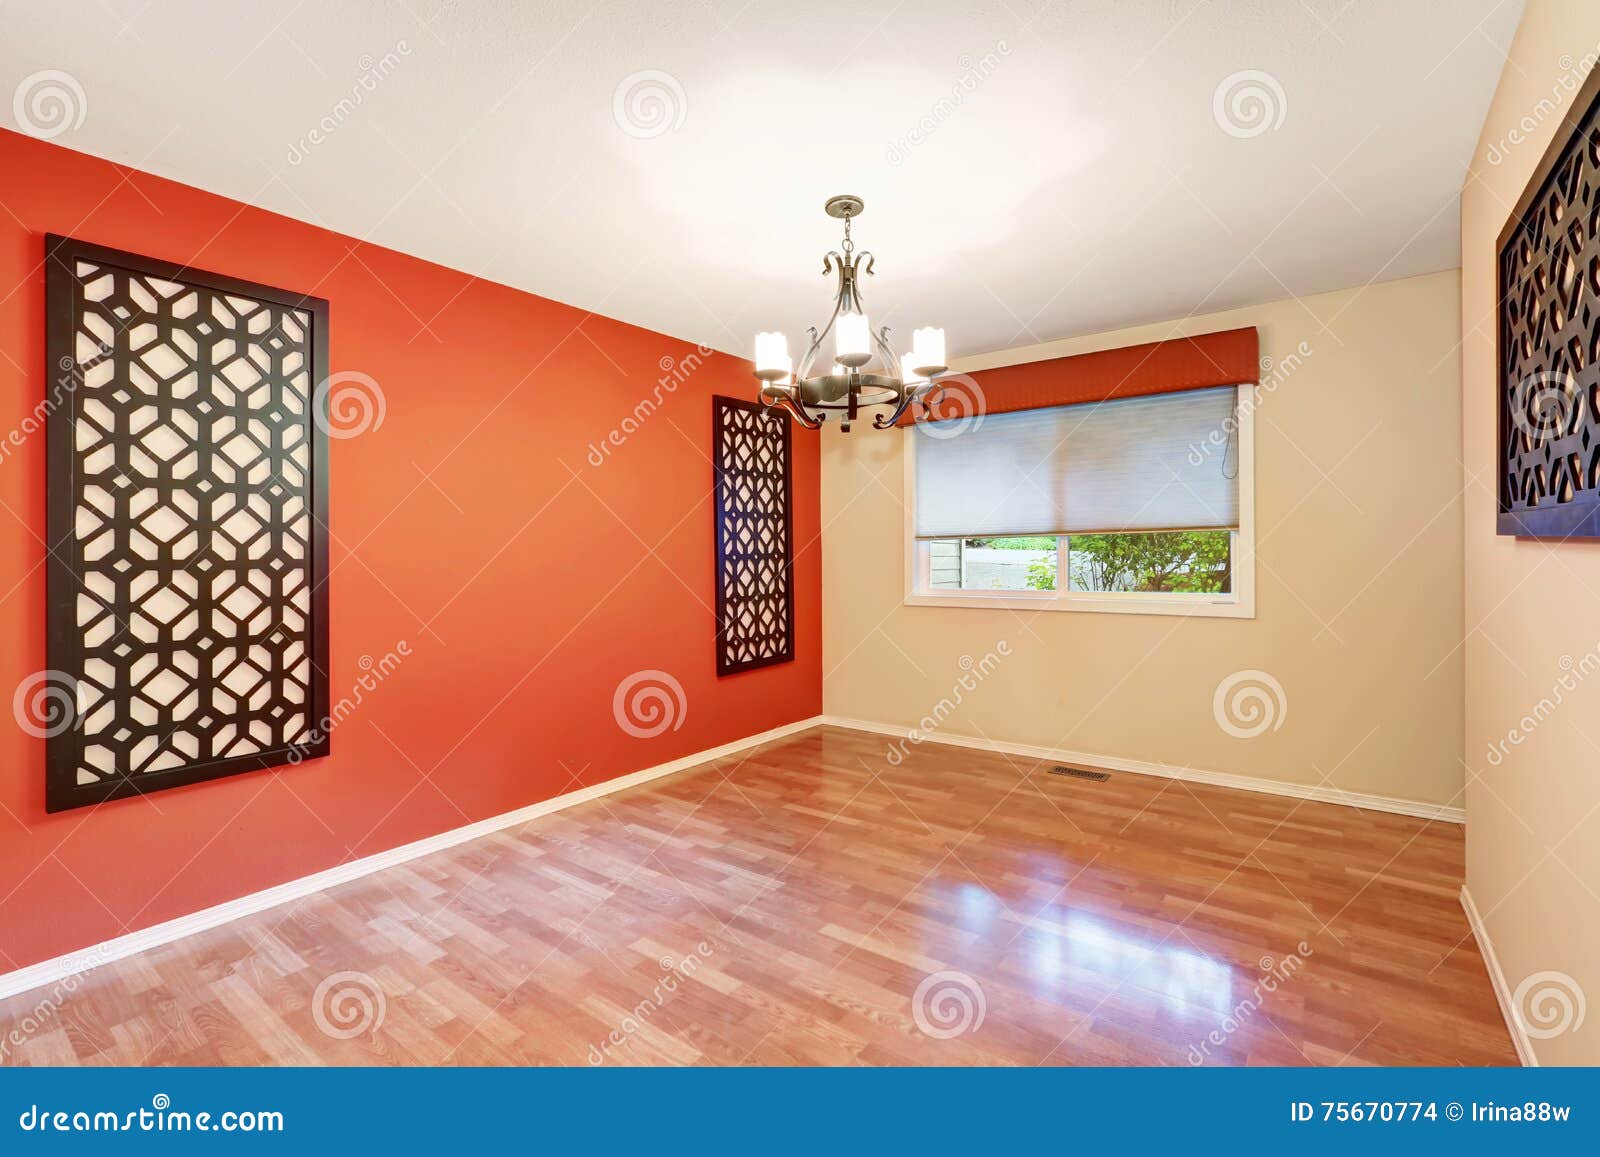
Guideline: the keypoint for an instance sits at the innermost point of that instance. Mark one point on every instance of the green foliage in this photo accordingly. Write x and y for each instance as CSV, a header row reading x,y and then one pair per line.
x,y
1187,561
1022,542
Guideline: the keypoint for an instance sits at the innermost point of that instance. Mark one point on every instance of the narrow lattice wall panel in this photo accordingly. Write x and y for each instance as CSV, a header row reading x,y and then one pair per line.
x,y
1549,338
755,531
188,625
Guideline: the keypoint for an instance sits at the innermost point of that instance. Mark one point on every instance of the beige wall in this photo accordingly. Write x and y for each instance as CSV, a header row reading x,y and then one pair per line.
x,y
1533,830
1359,600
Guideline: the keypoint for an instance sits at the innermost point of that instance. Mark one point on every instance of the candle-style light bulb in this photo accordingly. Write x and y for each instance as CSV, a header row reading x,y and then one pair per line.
x,y
908,371
773,363
927,350
852,340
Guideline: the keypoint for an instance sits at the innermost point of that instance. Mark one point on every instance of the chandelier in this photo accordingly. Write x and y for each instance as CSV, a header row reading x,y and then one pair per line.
x,y
865,372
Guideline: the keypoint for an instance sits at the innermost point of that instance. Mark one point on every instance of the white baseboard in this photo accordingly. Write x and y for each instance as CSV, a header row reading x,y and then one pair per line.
x,y
1497,979
1382,803
74,964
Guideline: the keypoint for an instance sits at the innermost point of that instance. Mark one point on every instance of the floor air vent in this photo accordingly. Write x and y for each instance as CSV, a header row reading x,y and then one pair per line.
x,y
1080,773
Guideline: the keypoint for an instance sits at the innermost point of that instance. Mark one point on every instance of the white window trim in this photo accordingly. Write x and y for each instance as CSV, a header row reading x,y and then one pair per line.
x,y
1239,604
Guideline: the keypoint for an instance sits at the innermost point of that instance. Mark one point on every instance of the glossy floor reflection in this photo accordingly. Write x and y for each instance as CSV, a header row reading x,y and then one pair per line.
x,y
810,903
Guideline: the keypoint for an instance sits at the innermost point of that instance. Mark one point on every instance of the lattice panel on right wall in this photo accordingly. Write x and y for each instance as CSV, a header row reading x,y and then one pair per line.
x,y
755,535
1548,339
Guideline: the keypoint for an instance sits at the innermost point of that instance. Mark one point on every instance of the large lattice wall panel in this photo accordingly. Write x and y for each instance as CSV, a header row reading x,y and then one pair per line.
x,y
755,532
1549,340
188,628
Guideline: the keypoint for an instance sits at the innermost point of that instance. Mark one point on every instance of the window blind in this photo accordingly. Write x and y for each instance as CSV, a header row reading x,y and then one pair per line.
x,y
1162,462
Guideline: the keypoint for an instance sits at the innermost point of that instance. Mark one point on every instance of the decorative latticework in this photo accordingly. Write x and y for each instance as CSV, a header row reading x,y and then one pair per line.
x,y
188,608
755,548
1549,340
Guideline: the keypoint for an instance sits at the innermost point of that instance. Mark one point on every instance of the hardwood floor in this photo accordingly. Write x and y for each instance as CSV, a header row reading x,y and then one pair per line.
x,y
810,903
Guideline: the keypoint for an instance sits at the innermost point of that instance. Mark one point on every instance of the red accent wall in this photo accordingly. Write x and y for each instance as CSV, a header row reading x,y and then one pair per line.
x,y
473,524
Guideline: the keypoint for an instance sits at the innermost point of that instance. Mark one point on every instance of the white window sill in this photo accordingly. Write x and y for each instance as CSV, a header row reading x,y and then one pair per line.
x,y
1191,606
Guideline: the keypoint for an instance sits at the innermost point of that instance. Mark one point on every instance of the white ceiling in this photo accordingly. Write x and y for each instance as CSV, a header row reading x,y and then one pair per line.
x,y
1071,175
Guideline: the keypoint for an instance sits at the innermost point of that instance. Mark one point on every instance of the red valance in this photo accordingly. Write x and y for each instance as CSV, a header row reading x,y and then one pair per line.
x,y
1228,358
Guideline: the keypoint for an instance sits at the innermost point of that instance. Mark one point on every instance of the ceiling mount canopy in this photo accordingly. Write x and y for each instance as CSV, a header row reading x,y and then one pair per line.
x,y
865,372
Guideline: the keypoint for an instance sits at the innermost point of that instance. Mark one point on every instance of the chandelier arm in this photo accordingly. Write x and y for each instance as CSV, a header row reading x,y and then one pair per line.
x,y
786,399
809,360
891,364
840,301
845,297
924,396
850,281
884,421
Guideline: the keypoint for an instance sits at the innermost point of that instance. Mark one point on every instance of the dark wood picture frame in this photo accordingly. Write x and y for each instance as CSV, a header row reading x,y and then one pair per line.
x,y
728,516
63,584
1561,469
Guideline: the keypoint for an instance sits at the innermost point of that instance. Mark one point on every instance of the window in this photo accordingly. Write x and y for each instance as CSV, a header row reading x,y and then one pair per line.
x,y
1134,504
